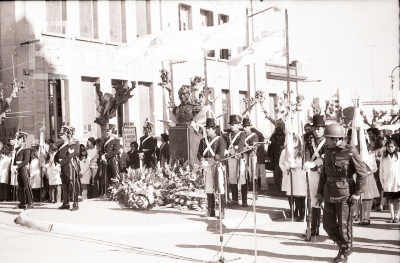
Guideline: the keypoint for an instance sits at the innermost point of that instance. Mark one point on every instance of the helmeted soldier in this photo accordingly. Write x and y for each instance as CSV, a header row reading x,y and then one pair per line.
x,y
148,144
250,143
314,155
64,159
211,150
236,165
20,166
338,189
109,153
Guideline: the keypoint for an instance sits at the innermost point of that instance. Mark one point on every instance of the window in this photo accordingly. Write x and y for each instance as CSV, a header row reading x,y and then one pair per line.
x,y
185,17
223,53
56,16
143,13
225,107
88,19
242,103
207,20
117,21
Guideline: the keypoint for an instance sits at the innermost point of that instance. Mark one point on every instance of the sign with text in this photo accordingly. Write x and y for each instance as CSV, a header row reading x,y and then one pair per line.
x,y
128,135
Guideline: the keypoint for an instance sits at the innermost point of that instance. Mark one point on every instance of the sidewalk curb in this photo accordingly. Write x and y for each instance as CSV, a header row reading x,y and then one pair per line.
x,y
48,226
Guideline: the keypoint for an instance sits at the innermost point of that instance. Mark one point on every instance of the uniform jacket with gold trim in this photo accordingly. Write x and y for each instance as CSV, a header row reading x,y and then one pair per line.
x,y
23,156
148,147
111,149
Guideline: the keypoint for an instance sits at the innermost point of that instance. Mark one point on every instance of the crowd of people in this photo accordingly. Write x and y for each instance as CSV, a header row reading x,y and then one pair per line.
x,y
324,164
65,171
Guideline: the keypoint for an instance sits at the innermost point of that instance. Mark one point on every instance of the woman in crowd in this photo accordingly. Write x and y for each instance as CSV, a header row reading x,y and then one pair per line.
x,y
5,161
84,174
371,190
298,178
274,153
53,176
34,172
133,154
389,174
382,140
164,150
93,155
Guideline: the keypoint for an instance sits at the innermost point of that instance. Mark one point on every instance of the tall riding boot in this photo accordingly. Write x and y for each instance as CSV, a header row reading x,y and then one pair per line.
x,y
315,221
244,195
250,185
296,207
235,192
289,198
210,205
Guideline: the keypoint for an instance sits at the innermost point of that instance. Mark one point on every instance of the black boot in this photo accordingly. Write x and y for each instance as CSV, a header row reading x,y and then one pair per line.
x,y
244,195
235,193
315,221
341,257
210,205
223,205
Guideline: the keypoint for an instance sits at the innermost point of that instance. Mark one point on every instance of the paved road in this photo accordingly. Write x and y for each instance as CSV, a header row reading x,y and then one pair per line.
x,y
277,241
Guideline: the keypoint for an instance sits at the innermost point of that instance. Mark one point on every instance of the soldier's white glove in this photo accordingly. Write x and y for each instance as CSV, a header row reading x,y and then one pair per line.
x,y
308,165
226,152
318,162
141,156
103,158
14,168
204,164
71,150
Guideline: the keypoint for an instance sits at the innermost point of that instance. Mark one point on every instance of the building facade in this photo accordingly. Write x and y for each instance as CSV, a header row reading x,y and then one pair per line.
x,y
61,48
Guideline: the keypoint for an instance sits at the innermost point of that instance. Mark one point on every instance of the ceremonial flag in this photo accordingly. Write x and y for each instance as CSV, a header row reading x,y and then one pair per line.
x,y
358,123
128,53
267,46
225,36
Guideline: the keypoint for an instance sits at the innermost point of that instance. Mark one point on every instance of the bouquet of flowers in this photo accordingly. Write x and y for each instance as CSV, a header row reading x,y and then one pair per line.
x,y
143,189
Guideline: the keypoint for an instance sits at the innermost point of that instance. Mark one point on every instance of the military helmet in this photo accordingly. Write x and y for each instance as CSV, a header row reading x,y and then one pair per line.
x,y
334,130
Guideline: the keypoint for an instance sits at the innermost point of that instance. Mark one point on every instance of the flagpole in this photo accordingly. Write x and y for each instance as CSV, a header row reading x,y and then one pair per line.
x,y
288,99
205,76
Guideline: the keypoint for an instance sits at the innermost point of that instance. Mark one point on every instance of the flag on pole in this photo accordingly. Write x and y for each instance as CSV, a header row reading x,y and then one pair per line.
x,y
225,36
267,46
130,52
358,124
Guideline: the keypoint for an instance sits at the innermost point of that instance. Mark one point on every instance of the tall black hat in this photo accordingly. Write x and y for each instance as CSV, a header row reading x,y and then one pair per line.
x,y
318,121
210,122
234,119
246,122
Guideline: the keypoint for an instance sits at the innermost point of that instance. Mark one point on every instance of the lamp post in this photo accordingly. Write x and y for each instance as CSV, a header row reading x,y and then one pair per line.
x,y
392,79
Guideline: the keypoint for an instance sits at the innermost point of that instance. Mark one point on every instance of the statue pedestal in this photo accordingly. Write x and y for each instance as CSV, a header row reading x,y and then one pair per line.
x,y
183,144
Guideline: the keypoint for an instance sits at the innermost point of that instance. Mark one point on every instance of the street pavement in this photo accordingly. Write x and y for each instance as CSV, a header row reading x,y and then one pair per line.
x,y
101,231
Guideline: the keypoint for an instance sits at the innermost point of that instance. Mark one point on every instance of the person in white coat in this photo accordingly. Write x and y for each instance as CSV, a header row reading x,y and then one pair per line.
x,y
85,175
298,177
5,161
35,176
53,175
389,174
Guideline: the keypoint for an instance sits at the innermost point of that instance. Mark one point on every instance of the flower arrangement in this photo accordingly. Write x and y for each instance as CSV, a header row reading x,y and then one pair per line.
x,y
173,186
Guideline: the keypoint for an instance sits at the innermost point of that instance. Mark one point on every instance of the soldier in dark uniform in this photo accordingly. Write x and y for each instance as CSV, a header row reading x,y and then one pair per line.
x,y
64,161
211,149
314,155
250,157
20,166
236,165
338,188
148,144
109,153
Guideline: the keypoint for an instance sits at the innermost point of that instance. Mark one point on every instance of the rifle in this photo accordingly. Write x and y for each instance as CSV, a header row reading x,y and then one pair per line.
x,y
307,214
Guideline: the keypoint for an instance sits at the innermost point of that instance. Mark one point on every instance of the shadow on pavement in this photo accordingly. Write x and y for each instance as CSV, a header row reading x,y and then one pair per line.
x,y
261,253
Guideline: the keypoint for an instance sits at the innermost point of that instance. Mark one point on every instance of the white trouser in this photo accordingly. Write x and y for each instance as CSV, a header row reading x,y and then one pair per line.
x,y
313,177
213,175
237,172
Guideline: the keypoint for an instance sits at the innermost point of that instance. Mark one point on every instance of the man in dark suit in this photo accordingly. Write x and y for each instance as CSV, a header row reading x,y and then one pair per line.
x,y
64,161
148,145
109,155
20,165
